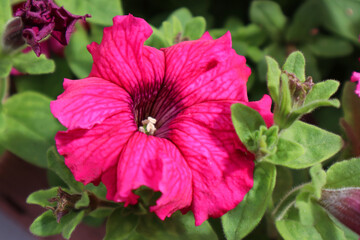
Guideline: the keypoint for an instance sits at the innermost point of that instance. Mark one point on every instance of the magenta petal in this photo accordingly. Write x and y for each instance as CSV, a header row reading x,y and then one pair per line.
x,y
158,164
222,174
355,77
123,59
89,153
206,70
89,101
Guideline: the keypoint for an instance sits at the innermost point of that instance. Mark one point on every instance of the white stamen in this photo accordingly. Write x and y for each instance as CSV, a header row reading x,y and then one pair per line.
x,y
149,126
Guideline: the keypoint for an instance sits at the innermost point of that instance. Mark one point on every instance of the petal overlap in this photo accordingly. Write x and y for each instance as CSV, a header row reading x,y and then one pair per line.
x,y
123,59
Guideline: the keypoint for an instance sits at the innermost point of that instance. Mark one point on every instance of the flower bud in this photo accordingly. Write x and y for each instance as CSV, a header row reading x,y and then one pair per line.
x,y
65,203
344,204
12,38
299,89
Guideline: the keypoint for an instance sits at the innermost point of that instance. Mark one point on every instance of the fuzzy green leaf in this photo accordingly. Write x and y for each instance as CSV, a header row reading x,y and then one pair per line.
x,y
318,177
46,225
294,230
70,225
24,116
56,164
246,120
344,174
31,64
41,197
243,219
84,201
273,79
286,154
315,142
322,91
295,63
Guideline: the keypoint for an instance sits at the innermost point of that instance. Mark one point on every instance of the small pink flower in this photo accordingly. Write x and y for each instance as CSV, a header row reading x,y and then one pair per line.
x,y
160,118
355,77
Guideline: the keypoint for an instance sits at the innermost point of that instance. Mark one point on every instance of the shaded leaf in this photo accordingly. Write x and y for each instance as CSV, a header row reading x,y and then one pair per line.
x,y
240,221
295,63
30,63
56,163
23,117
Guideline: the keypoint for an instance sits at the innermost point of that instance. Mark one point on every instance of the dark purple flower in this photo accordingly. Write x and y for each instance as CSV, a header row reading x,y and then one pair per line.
x,y
40,18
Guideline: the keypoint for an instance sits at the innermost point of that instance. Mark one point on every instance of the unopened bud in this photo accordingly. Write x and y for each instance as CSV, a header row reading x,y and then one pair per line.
x,y
344,204
65,203
12,38
299,89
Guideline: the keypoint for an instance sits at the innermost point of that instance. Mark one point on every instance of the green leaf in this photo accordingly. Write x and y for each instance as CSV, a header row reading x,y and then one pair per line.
x,y
286,154
325,226
315,142
84,201
330,47
49,84
295,63
22,130
284,183
70,226
344,174
46,225
285,101
101,13
41,197
195,28
5,15
305,205
77,56
342,18
157,39
31,64
240,221
273,79
183,15
5,66
56,164
322,91
268,15
294,230
251,34
318,177
121,226
306,18
246,120
99,190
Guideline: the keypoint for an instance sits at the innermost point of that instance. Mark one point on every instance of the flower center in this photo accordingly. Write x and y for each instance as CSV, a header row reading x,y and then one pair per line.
x,y
148,126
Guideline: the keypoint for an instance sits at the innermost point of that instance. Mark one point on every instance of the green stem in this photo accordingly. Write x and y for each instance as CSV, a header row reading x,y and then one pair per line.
x,y
286,202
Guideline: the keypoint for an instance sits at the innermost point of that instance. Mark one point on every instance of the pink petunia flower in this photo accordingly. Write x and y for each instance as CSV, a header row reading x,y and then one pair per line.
x,y
160,118
355,77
